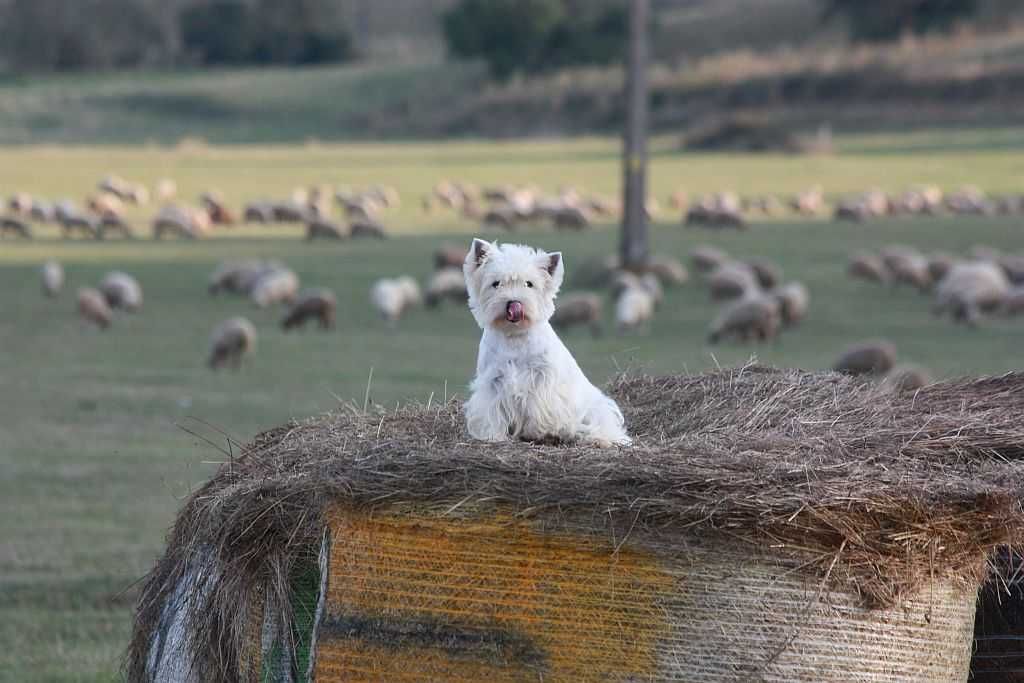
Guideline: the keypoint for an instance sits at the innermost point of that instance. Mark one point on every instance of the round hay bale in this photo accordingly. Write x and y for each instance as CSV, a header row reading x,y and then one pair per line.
x,y
766,525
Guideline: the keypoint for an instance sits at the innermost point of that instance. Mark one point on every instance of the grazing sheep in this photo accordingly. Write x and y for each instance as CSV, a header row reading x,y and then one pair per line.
x,y
288,211
323,228
93,307
71,219
230,342
238,277
121,291
794,300
851,210
182,221
392,297
311,304
907,266
970,201
279,285
502,217
367,229
624,279
753,316
570,218
104,205
213,203
867,266
20,203
810,202
53,278
596,273
906,378
449,256
732,280
447,283
715,217
867,358
768,274
582,308
970,289
14,226
670,271
42,211
114,224
706,258
939,265
258,212
634,307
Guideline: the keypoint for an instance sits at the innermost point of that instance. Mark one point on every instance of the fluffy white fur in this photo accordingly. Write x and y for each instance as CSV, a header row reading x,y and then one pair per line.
x,y
527,385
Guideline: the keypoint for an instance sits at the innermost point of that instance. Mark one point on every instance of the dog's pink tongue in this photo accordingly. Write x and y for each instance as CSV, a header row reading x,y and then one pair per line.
x,y
514,311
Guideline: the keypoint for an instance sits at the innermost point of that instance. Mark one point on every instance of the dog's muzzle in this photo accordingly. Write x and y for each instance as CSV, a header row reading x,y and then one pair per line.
x,y
514,311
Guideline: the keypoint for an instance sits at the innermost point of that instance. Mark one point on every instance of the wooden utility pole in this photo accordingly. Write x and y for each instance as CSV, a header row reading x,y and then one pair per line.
x,y
633,248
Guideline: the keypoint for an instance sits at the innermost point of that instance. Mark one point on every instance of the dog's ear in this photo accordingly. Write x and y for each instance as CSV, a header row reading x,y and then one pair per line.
x,y
555,267
479,251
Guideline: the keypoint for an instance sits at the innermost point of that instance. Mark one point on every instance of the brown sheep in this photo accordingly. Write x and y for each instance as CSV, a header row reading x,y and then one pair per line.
x,y
768,274
706,258
732,280
214,205
583,308
754,316
500,217
867,266
939,265
53,278
669,271
92,306
794,300
311,304
907,266
447,283
14,226
867,358
449,256
570,218
230,342
322,228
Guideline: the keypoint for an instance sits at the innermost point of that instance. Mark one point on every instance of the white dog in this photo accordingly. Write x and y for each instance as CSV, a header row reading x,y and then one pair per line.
x,y
527,385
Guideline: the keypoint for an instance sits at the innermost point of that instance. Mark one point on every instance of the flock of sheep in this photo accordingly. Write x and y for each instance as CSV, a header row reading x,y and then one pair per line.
x,y
756,304
982,282
104,212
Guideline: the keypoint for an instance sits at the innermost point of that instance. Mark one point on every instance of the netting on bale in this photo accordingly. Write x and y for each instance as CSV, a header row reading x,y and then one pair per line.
x,y
773,525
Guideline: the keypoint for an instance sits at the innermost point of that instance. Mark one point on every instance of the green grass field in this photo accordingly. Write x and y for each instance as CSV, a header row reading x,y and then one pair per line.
x,y
103,434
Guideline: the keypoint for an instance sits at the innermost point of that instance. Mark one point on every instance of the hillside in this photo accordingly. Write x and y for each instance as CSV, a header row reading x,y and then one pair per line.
x,y
970,78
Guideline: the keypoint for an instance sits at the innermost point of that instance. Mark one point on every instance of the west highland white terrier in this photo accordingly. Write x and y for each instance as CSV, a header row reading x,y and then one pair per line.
x,y
527,385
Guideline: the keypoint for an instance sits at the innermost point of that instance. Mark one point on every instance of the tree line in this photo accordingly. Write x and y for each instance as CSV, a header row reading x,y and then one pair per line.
x,y
510,36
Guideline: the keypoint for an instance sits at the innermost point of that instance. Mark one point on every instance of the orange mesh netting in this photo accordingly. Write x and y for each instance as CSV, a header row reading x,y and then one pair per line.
x,y
421,599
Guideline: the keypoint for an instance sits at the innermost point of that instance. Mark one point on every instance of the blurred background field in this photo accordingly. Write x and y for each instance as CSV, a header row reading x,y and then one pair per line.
x,y
102,434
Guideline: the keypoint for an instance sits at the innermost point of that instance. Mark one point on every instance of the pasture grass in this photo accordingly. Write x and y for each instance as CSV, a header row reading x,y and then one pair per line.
x,y
102,435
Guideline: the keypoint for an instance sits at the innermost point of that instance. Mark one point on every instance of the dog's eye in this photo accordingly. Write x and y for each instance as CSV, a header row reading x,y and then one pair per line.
x,y
495,284
529,284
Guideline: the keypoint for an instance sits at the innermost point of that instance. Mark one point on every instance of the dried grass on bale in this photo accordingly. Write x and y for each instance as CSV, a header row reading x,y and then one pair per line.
x,y
877,493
